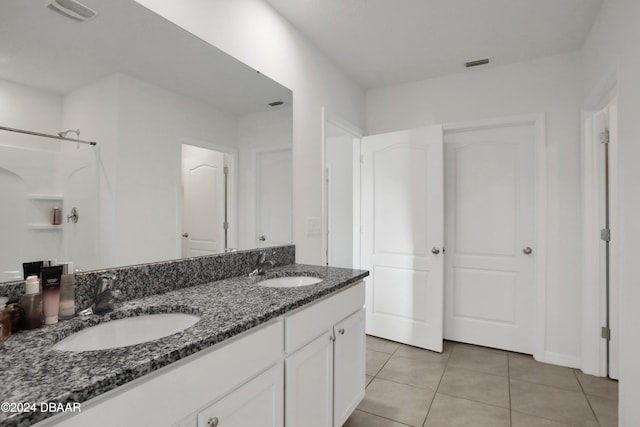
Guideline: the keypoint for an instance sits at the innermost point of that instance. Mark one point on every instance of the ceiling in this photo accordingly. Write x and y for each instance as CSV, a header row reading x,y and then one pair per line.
x,y
44,49
388,42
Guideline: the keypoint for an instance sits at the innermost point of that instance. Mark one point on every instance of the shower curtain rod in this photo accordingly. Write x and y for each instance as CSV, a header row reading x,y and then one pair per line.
x,y
46,135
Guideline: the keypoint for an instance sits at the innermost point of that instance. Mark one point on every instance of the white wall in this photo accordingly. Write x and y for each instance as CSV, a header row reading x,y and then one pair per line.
x,y
547,85
254,33
613,41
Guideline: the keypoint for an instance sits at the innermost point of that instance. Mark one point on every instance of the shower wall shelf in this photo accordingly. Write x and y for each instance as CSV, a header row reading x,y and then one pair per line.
x,y
44,227
34,196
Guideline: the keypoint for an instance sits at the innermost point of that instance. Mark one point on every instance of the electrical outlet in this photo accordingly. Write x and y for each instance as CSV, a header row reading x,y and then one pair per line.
x,y
314,226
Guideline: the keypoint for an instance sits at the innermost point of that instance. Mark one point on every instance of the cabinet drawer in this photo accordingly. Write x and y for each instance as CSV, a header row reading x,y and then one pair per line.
x,y
259,402
307,323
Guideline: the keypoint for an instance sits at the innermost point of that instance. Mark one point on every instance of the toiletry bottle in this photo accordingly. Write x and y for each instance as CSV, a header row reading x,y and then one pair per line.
x,y
67,293
31,303
51,292
5,319
16,312
31,268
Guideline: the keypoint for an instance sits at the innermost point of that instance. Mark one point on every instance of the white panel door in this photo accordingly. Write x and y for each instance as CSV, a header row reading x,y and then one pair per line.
x,y
490,236
202,201
403,233
274,197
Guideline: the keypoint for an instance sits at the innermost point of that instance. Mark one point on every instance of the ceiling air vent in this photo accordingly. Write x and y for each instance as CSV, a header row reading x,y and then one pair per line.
x,y
71,9
476,62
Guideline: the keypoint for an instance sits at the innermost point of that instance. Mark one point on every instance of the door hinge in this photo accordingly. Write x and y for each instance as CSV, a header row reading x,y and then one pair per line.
x,y
604,136
361,159
225,225
605,333
605,234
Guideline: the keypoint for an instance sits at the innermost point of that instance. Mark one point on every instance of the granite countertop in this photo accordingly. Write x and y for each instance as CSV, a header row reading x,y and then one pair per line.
x,y
33,372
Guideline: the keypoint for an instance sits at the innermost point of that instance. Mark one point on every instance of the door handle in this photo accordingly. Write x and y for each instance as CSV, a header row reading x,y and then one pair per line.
x,y
527,250
262,238
185,235
435,250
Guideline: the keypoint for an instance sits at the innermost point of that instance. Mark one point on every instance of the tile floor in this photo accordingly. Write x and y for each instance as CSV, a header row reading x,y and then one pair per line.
x,y
470,386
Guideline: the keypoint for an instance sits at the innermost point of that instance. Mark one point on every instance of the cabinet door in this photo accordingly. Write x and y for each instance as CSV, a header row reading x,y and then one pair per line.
x,y
309,384
257,403
349,366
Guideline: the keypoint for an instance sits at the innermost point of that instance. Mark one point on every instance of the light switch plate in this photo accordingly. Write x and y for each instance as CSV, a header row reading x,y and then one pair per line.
x,y
314,226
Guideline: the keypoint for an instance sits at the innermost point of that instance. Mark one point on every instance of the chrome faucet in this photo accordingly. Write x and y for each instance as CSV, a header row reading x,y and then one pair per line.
x,y
104,296
263,265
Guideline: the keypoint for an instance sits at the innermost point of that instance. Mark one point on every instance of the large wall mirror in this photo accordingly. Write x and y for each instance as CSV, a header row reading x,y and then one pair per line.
x,y
193,152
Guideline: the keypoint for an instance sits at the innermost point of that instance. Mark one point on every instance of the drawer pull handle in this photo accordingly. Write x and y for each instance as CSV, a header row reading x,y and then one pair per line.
x,y
213,422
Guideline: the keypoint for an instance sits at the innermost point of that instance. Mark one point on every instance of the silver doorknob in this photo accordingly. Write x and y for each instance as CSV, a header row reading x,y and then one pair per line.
x,y
262,238
435,250
185,235
213,422
527,250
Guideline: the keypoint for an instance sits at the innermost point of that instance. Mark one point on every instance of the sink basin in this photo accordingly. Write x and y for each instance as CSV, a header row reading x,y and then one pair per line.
x,y
290,281
128,331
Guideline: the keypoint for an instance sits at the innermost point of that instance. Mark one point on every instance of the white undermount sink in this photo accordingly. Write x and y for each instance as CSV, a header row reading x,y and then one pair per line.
x,y
290,281
128,331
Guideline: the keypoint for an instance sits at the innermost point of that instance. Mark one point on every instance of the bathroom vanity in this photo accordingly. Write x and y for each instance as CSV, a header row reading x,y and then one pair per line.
x,y
258,355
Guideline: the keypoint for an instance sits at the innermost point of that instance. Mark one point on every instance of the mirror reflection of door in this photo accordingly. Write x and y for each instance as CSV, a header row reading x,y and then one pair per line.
x,y
274,197
342,201
203,201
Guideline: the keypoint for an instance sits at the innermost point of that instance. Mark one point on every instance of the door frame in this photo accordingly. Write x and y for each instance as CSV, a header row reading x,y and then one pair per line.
x,y
232,201
356,133
538,121
594,359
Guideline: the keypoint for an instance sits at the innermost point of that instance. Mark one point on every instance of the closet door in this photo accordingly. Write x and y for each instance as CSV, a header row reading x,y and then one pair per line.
x,y
403,234
490,216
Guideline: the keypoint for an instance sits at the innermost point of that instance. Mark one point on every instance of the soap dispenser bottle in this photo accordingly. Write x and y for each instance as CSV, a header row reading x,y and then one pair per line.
x,y
31,303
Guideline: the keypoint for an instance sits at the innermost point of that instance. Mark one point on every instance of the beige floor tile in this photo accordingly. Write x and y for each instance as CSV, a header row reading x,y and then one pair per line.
x,y
422,354
381,345
524,420
598,386
606,410
364,419
551,403
398,402
415,372
526,369
447,411
375,361
489,362
474,385
480,348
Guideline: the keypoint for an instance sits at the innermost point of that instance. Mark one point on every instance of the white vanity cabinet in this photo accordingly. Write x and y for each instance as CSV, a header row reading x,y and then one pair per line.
x,y
303,369
325,364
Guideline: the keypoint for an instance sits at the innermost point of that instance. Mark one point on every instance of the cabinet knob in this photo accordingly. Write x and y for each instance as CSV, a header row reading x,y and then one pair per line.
x,y
332,338
213,422
341,331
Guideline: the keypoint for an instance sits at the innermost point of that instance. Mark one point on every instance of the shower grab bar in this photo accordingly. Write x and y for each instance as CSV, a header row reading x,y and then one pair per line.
x,y
46,135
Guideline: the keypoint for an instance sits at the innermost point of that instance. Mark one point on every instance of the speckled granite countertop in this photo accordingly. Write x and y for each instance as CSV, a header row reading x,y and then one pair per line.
x,y
32,372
